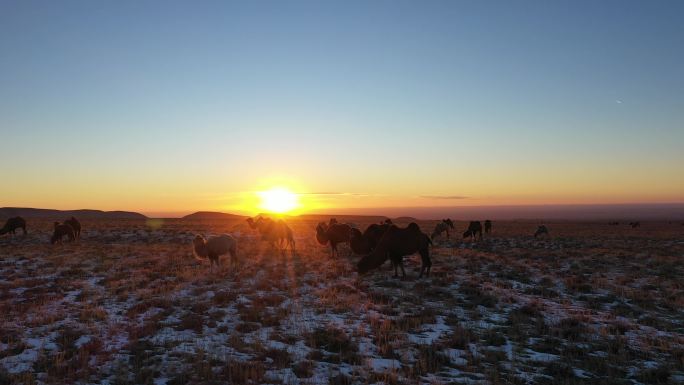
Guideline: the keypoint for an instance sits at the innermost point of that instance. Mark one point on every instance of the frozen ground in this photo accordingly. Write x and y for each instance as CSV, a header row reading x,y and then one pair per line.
x,y
129,304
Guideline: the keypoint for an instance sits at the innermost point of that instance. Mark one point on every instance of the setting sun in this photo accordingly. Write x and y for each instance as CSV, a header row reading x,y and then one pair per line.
x,y
278,200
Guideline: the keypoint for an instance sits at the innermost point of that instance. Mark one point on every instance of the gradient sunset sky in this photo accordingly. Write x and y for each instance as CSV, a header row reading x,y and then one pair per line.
x,y
183,106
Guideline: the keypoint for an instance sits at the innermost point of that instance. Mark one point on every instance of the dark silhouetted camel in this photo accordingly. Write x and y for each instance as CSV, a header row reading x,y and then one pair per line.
x,y
333,234
394,245
441,227
488,226
541,230
62,230
12,225
215,247
474,230
76,225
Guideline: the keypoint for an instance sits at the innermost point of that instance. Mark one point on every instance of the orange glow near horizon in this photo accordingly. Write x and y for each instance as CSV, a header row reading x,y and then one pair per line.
x,y
278,200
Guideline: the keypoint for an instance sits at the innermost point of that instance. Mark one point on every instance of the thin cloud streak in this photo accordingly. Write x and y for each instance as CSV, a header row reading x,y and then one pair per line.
x,y
444,197
335,193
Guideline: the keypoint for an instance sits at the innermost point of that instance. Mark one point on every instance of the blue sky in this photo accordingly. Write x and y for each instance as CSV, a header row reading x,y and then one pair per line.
x,y
503,102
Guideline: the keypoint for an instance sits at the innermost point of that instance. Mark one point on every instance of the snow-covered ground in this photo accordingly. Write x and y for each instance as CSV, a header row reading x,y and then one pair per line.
x,y
130,304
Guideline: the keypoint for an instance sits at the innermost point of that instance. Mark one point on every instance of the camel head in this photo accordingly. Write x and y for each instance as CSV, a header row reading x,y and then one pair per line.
x,y
371,261
199,246
321,235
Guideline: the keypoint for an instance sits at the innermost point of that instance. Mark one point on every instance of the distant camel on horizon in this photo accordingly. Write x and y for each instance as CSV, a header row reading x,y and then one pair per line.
x,y
541,230
76,225
474,230
12,224
61,230
441,227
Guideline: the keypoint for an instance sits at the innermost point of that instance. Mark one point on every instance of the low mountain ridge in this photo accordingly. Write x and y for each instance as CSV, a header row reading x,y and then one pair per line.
x,y
29,212
212,215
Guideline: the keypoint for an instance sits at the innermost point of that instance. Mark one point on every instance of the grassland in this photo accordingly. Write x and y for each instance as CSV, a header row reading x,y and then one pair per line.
x,y
129,304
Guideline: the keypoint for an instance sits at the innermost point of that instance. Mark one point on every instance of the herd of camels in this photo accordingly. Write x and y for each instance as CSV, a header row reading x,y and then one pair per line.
x,y
377,244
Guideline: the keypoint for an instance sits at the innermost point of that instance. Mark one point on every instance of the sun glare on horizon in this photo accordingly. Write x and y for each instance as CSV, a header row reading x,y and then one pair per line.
x,y
278,200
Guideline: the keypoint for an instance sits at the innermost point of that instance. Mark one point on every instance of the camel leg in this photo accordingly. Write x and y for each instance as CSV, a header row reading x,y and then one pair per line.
x,y
401,264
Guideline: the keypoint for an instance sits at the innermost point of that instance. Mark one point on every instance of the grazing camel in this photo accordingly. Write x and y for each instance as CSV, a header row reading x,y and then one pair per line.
x,y
12,225
541,230
366,242
488,226
215,247
333,234
474,230
357,243
441,227
394,245
76,225
61,230
277,233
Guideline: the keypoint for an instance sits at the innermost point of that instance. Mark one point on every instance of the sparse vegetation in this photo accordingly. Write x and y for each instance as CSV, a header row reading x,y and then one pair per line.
x,y
129,304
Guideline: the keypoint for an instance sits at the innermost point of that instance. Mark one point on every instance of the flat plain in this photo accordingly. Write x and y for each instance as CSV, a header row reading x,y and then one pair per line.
x,y
130,304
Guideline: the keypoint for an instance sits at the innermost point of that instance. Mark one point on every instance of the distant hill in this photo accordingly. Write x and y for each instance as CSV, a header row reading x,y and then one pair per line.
x,y
26,212
404,219
212,215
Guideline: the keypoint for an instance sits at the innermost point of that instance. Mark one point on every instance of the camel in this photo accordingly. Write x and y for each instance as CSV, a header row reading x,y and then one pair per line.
x,y
366,242
76,225
61,230
12,225
333,234
395,244
441,227
474,229
635,224
277,233
541,230
215,247
357,243
488,226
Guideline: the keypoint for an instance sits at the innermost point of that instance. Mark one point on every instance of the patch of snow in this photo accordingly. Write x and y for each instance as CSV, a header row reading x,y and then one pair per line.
x,y
430,333
540,357
22,362
82,340
380,365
